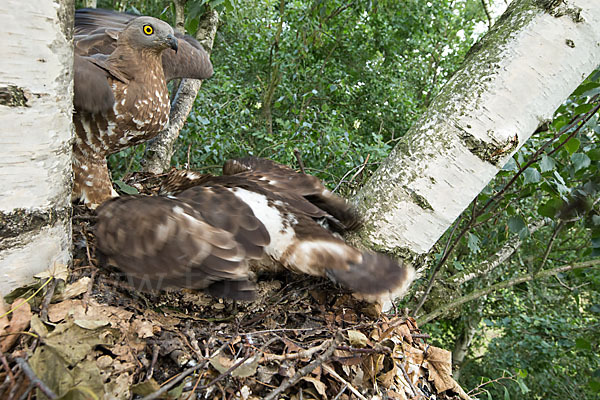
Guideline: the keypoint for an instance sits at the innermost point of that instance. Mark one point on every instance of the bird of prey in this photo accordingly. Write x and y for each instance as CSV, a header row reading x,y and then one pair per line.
x,y
209,229
121,66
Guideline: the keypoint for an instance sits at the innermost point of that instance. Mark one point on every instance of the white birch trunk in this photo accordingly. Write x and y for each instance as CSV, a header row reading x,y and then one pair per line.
x,y
523,69
35,138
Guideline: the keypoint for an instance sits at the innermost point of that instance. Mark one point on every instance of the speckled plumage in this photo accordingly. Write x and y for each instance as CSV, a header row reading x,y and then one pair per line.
x,y
121,98
258,214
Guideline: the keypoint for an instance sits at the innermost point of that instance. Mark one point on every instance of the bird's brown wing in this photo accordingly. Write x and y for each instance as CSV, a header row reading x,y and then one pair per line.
x,y
163,242
91,89
97,30
292,185
222,209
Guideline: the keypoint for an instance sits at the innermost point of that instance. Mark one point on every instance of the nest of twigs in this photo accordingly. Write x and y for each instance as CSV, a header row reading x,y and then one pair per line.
x,y
87,335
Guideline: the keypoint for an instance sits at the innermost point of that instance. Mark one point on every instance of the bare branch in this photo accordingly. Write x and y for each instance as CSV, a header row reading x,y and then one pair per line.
x,y
503,285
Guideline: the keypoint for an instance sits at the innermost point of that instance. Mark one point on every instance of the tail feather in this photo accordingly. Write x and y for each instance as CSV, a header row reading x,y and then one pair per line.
x,y
377,278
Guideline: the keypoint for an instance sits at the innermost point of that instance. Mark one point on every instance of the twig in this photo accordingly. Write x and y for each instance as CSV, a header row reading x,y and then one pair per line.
x,y
308,353
34,379
332,372
6,366
47,299
164,389
486,9
299,158
307,369
471,392
502,285
86,295
361,168
342,390
233,367
550,243
447,250
378,349
420,336
155,350
416,391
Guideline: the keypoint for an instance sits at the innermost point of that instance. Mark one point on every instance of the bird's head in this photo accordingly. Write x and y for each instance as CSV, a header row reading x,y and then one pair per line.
x,y
148,33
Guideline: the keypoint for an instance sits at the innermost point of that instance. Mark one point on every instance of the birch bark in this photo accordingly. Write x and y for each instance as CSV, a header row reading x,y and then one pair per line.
x,y
536,54
35,138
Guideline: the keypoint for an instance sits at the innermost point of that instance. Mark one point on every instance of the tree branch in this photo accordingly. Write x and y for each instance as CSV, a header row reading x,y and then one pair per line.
x,y
503,285
498,258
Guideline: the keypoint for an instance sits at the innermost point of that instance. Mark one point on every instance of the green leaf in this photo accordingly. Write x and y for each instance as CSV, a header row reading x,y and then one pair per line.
x,y
506,394
551,207
547,163
572,145
522,386
532,175
584,108
125,188
594,154
516,224
585,87
580,160
511,165
473,243
583,344
594,385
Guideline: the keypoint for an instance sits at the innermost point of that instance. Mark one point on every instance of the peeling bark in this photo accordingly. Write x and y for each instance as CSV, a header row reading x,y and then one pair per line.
x,y
35,139
159,151
511,82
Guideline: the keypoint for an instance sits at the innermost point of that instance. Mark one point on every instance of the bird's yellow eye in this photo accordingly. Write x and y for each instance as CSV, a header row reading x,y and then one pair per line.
x,y
148,30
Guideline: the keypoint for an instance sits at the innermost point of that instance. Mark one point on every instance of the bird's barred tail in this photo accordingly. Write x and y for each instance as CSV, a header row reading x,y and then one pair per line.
x,y
377,278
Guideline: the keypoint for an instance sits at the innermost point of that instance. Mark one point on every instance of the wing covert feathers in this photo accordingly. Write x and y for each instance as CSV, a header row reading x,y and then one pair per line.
x,y
206,236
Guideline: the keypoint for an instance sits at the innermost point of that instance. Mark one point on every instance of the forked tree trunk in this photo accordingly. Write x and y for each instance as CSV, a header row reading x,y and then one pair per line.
x,y
536,54
35,137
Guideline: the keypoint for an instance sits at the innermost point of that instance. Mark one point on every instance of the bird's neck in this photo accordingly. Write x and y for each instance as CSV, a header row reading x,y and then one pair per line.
x,y
132,64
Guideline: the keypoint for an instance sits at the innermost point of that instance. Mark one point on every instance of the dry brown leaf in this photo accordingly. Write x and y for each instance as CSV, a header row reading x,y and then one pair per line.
x,y
142,328
387,378
357,338
73,289
404,332
4,320
440,368
320,386
19,322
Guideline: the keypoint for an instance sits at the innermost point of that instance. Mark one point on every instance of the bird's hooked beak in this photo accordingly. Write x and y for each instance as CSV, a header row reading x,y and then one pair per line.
x,y
172,42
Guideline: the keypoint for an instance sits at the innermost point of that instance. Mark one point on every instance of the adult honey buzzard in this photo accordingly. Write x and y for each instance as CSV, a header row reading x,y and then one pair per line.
x,y
208,230
122,65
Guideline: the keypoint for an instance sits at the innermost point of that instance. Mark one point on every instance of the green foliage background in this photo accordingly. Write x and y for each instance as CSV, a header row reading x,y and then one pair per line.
x,y
341,82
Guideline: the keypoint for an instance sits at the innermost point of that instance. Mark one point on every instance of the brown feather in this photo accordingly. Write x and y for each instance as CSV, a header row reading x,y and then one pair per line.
x,y
164,242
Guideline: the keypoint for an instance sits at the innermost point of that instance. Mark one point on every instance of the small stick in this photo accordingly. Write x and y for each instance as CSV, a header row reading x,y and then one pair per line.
x,y
291,356
420,335
307,369
332,372
412,386
164,389
86,295
6,366
299,158
155,350
47,299
337,396
361,168
34,379
378,349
